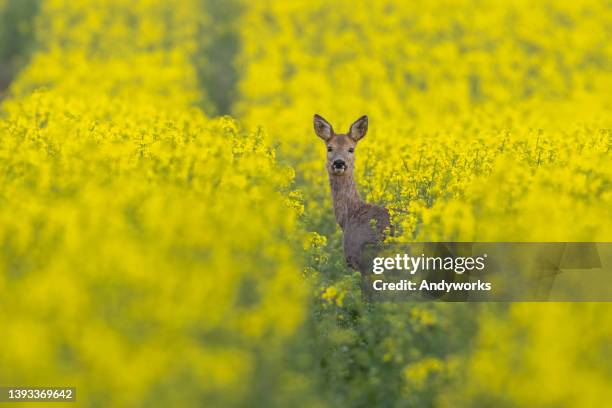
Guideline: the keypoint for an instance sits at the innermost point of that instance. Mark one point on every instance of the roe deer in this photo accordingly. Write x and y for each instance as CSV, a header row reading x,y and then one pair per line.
x,y
361,223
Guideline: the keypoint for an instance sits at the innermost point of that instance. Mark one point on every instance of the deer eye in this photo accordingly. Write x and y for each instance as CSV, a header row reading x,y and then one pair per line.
x,y
329,149
351,150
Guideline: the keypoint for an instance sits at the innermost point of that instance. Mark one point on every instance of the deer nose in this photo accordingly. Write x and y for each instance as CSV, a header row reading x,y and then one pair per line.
x,y
339,164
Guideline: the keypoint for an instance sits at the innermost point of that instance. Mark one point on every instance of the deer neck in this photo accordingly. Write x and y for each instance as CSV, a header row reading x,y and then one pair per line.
x,y
345,196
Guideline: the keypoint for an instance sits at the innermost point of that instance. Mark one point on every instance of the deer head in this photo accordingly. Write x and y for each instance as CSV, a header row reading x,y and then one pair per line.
x,y
340,147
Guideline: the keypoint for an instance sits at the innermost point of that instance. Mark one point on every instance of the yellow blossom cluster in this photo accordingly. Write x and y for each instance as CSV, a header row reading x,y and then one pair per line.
x,y
146,250
488,120
483,115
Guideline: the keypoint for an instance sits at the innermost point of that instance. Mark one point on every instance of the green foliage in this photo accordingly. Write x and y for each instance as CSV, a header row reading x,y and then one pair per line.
x,y
218,46
16,36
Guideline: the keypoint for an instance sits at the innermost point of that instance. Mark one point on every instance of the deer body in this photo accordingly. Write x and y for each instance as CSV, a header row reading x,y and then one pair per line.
x,y
361,223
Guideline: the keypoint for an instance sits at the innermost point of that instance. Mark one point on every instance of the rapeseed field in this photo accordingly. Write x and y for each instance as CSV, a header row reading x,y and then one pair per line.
x,y
166,243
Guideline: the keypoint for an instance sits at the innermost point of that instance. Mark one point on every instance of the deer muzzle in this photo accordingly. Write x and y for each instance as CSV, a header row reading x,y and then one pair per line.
x,y
338,166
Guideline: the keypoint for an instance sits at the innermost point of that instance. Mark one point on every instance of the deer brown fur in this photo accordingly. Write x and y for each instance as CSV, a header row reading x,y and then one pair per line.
x,y
361,223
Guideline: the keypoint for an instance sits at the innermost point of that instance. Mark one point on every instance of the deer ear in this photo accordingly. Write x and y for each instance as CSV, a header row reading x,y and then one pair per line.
x,y
322,128
359,128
